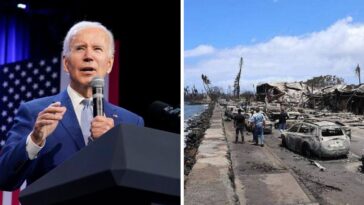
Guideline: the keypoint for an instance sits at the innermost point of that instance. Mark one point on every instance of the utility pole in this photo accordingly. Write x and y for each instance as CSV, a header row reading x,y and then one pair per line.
x,y
357,72
237,80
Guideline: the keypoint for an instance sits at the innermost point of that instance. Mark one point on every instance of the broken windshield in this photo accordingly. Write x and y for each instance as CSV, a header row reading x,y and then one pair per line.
x,y
331,131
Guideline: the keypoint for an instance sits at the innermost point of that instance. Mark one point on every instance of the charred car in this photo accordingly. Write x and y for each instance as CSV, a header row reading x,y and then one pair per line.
x,y
322,139
231,111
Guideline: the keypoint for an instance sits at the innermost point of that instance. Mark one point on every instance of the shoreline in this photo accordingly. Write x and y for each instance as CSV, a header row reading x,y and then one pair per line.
x,y
197,102
196,127
187,121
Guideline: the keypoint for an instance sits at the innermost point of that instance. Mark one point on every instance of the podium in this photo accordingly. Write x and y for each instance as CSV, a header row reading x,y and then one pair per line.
x,y
128,165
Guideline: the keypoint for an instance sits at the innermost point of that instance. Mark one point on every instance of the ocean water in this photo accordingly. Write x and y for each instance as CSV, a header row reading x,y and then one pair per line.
x,y
194,110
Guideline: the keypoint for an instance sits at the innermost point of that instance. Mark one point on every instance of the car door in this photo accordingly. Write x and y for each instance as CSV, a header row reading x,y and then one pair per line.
x,y
292,135
305,134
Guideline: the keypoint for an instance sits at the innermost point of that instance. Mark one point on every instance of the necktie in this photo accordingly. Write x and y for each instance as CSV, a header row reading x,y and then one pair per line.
x,y
86,118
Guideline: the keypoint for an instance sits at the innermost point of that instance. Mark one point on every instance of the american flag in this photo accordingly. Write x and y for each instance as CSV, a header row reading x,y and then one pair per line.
x,y
24,81
21,82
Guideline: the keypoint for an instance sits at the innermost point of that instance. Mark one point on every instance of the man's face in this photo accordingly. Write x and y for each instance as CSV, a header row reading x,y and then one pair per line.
x,y
88,57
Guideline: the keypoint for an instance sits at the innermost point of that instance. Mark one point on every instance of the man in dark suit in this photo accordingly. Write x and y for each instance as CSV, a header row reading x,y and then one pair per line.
x,y
49,130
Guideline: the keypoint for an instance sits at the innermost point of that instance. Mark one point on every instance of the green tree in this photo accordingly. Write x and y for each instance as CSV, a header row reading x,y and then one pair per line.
x,y
323,81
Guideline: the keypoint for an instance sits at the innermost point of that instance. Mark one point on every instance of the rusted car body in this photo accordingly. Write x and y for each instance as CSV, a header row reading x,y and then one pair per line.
x,y
323,139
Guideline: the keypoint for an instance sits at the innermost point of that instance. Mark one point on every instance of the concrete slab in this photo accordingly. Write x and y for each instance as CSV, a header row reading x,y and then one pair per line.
x,y
208,184
209,180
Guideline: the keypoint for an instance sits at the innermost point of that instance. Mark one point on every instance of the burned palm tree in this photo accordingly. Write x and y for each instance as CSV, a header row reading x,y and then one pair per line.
x,y
237,80
206,83
194,91
212,92
357,72
187,90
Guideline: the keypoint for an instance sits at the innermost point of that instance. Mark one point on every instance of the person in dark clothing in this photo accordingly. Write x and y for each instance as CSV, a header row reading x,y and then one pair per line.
x,y
239,123
282,120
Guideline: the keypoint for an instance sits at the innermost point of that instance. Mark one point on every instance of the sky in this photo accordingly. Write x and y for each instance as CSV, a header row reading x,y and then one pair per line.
x,y
279,40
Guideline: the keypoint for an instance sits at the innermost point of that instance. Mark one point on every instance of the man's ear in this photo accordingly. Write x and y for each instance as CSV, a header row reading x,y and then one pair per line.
x,y
109,65
65,64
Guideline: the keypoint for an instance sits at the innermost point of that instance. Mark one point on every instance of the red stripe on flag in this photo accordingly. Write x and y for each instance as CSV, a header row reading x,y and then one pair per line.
x,y
1,197
15,197
114,78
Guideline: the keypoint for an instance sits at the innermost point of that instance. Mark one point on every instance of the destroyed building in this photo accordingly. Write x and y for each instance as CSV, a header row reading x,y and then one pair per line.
x,y
348,98
336,98
283,92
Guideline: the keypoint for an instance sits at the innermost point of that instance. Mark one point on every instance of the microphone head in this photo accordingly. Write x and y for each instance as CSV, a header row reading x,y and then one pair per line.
x,y
165,117
158,107
97,82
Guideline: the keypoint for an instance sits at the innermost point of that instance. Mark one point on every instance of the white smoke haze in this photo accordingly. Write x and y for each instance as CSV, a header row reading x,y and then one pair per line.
x,y
334,51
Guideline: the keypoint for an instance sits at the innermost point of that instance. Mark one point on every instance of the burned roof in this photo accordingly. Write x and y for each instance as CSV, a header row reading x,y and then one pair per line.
x,y
337,88
322,123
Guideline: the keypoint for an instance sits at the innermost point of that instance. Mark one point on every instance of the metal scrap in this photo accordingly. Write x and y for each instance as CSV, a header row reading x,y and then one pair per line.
x,y
313,162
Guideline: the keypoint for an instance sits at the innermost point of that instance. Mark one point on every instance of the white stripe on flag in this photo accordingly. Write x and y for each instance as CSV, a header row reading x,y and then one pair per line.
x,y
7,198
23,186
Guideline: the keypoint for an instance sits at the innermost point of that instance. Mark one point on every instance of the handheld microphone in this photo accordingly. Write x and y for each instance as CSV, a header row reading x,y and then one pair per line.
x,y
97,85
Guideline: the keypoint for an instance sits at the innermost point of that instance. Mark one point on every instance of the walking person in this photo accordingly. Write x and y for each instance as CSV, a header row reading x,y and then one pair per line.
x,y
283,117
239,124
259,123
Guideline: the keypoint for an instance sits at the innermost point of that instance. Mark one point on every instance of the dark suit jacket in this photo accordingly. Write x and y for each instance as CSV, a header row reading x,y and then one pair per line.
x,y
66,140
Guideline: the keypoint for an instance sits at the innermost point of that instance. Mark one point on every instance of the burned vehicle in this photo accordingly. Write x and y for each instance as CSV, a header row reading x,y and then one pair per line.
x,y
231,111
346,128
322,139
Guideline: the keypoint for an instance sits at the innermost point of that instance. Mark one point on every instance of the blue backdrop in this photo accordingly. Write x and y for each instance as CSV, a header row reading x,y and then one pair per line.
x,y
14,39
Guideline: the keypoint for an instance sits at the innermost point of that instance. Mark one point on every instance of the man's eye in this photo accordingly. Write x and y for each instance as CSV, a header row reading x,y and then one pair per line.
x,y
80,48
98,49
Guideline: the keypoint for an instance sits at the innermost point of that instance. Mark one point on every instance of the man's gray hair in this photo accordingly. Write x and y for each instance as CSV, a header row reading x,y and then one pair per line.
x,y
83,25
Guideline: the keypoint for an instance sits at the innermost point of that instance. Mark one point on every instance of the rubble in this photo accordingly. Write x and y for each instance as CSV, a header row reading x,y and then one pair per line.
x,y
343,98
318,165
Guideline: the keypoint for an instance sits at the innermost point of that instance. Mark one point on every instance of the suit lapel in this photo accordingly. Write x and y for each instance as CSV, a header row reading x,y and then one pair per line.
x,y
69,121
111,113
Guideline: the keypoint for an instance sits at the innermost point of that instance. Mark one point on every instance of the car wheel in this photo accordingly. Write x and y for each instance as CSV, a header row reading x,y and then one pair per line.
x,y
306,151
284,144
